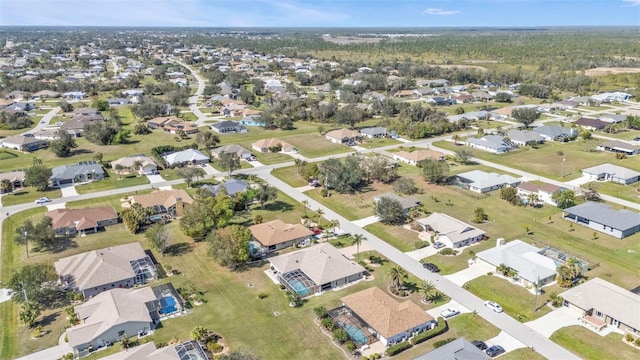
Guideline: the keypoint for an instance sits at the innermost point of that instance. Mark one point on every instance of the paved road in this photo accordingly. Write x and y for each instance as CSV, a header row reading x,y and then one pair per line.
x,y
44,122
193,100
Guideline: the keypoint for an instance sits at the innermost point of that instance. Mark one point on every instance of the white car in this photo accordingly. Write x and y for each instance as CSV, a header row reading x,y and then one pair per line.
x,y
42,200
493,306
449,312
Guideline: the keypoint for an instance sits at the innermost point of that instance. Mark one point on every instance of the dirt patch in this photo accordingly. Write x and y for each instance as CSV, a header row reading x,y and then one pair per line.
x,y
602,71
462,67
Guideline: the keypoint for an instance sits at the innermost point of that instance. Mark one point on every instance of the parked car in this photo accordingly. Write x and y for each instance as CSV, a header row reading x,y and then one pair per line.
x,y
449,312
495,350
42,200
438,245
314,183
204,165
636,138
431,267
350,143
480,344
251,158
493,306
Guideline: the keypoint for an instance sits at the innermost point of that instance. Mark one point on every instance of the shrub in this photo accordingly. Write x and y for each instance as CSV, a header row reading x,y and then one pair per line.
x,y
637,342
375,356
439,329
421,244
628,337
215,347
258,219
448,251
340,335
350,346
489,273
620,156
321,312
263,295
444,342
398,348
282,287
328,324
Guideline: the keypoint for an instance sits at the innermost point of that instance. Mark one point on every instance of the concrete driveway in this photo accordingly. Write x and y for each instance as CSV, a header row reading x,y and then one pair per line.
x,y
554,321
366,221
435,312
508,342
154,179
4,295
210,170
420,254
473,271
68,190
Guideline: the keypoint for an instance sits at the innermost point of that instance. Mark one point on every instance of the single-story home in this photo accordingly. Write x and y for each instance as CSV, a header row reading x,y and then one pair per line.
x,y
544,191
524,137
407,203
451,231
607,97
600,303
265,145
82,221
491,143
228,127
75,95
242,152
619,147
188,350
389,320
186,157
141,163
107,317
612,118
315,269
374,132
118,101
591,124
602,218
172,202
459,349
83,171
92,272
415,157
531,266
45,94
231,186
275,235
252,120
556,133
612,173
340,136
16,178
172,125
482,182
23,143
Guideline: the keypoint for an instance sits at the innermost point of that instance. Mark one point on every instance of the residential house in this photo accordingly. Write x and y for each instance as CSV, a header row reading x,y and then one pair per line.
x,y
602,218
613,118
45,94
407,203
107,317
275,235
95,271
591,124
252,120
133,92
459,349
171,202
415,157
75,95
267,145
556,133
318,268
601,304
524,137
341,136
84,171
374,132
242,152
144,165
608,97
118,101
389,320
16,178
440,101
543,191
404,94
231,187
188,350
172,125
482,182
619,147
23,143
612,173
531,266
451,231
491,143
186,157
82,221
85,111
228,127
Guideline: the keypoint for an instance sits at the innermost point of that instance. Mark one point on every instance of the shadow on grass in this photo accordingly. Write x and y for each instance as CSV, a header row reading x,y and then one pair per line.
x,y
49,319
277,206
178,249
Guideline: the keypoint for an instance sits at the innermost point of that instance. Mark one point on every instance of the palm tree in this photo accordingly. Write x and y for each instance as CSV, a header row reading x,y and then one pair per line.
x,y
319,214
426,289
305,205
455,138
119,169
532,199
437,297
502,269
335,223
357,240
396,275
137,165
511,273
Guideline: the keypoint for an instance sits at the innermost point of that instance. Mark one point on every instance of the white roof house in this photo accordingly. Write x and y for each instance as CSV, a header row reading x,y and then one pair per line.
x,y
451,231
187,156
491,143
523,258
481,182
613,173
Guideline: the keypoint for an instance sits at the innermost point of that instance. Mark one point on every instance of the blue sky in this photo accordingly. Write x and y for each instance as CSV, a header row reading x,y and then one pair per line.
x,y
320,13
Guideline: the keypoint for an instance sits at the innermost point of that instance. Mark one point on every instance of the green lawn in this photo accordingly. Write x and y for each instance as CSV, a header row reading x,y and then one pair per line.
x,y
28,195
290,175
450,264
315,145
113,181
589,345
398,237
522,354
472,327
514,299
627,192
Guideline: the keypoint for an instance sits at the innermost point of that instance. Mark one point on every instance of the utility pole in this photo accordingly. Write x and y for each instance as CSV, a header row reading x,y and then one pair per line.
x,y
24,292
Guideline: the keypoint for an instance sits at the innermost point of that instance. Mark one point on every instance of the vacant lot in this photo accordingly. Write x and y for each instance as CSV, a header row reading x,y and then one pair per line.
x,y
588,345
315,145
627,192
28,195
602,71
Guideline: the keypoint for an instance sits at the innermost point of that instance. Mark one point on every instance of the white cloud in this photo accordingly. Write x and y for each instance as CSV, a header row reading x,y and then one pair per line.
x,y
442,12
632,2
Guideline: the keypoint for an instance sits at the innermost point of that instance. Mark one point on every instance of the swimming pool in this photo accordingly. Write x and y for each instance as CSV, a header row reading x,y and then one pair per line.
x,y
299,287
356,334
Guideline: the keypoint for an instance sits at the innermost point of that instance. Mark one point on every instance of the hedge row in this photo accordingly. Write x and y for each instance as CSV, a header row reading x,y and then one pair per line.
x,y
439,329
398,348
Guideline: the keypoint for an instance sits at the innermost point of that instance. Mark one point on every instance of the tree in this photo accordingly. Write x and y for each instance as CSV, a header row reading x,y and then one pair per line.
x,y
463,156
510,195
568,273
357,240
479,216
229,161
564,199
199,333
405,186
389,210
35,283
426,289
590,192
37,175
29,312
97,157
305,205
188,173
238,355
6,186
135,216
349,115
65,106
101,105
63,146
343,175
502,269
207,139
502,97
319,213
434,171
266,193
42,235
525,115
158,237
207,213
379,168
532,199
396,276
230,245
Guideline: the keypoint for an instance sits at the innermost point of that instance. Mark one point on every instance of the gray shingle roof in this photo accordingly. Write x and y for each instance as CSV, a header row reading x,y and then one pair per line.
x,y
615,170
460,349
603,214
71,171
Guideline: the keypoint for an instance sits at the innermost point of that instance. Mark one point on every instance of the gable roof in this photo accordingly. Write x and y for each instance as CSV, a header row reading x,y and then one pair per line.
x,y
270,142
15,175
543,187
490,141
406,202
21,140
523,258
277,232
186,155
71,171
228,125
383,313
620,145
341,134
481,179
610,299
129,161
420,155
459,349
603,214
373,131
81,219
166,198
524,136
322,264
232,186
552,131
453,228
594,123
232,148
614,170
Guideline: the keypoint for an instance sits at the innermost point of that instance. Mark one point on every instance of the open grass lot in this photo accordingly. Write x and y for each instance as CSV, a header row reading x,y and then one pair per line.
x,y
315,145
545,160
114,181
450,264
352,206
472,327
397,236
629,192
28,194
379,142
519,303
627,134
591,346
290,175
522,354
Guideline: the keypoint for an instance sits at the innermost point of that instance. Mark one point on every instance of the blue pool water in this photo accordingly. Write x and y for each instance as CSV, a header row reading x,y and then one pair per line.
x,y
252,249
168,305
299,287
355,333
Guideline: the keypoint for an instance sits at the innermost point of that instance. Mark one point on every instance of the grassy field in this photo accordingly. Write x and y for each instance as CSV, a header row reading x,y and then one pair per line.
x,y
315,145
397,236
113,181
591,346
522,354
28,195
626,192
450,264
290,175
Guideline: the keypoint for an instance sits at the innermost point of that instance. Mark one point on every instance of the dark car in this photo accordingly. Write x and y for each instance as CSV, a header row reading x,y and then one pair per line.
x,y
431,267
495,350
479,344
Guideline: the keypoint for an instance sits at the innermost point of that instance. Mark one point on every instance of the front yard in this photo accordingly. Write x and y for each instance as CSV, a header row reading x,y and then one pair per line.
x,y
113,181
28,195
589,345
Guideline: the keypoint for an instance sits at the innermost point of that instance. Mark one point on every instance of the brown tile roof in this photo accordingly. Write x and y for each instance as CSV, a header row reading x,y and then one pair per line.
x,y
12,176
383,313
164,120
81,219
420,155
342,134
549,188
531,187
277,232
271,142
247,112
166,198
